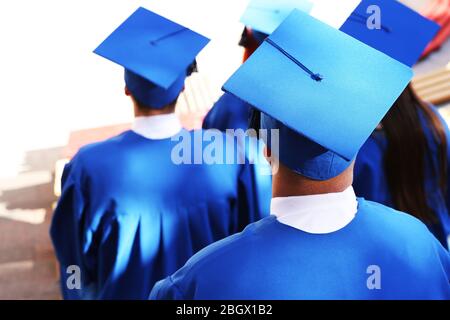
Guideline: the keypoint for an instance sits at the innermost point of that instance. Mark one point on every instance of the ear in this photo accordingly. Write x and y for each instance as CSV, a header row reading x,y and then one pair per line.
x,y
273,161
267,153
127,92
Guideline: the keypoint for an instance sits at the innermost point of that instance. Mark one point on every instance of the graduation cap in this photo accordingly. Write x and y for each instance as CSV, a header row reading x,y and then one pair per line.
x,y
157,55
266,15
401,33
323,89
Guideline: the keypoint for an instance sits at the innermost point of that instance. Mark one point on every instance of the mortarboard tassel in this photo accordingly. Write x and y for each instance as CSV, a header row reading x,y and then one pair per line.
x,y
315,76
171,34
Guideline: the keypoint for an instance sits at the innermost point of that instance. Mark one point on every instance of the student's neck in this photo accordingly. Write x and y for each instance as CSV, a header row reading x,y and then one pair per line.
x,y
287,183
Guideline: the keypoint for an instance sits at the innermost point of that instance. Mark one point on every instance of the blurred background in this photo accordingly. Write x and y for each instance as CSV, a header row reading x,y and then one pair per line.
x,y
56,96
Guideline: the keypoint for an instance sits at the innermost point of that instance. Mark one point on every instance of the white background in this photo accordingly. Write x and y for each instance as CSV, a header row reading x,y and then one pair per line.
x,y
52,83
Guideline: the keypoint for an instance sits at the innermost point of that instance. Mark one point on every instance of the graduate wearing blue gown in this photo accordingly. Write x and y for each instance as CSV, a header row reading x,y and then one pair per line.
x,y
271,260
371,177
321,242
230,112
412,134
129,215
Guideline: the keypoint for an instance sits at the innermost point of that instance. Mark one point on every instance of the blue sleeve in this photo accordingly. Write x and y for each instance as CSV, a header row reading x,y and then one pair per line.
x,y
118,269
85,240
98,241
227,113
370,180
444,259
166,290
447,135
66,231
254,195
445,219
368,170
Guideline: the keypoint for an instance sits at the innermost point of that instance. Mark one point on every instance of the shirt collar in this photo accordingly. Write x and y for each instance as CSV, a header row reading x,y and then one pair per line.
x,y
317,214
157,127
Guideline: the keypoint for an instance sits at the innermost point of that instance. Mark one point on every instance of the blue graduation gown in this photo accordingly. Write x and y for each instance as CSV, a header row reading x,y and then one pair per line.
x,y
128,216
228,112
270,260
370,181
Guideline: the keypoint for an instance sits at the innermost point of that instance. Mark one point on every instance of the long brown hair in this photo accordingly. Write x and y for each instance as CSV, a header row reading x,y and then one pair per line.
x,y
407,151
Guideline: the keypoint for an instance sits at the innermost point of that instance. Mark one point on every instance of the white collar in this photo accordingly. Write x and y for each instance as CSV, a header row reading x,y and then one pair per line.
x,y
157,127
317,214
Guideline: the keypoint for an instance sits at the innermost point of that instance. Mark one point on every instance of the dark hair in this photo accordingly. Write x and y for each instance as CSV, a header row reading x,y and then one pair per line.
x,y
144,108
193,67
408,152
249,43
254,120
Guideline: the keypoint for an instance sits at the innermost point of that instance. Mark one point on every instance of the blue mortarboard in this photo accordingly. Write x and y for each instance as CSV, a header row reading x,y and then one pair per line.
x,y
266,15
403,34
323,86
156,54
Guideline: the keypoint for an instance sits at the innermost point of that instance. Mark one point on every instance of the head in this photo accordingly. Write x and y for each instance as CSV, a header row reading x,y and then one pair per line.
x,y
288,183
300,165
141,110
407,153
251,40
151,99
322,124
147,45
